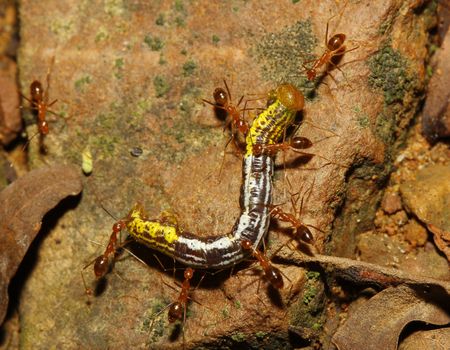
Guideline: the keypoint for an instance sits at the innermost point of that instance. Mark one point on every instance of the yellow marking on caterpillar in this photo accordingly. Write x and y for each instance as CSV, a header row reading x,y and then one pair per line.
x,y
146,230
260,132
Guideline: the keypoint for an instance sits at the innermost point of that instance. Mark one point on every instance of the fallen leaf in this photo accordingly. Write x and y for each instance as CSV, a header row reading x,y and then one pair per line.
x,y
22,207
436,339
377,324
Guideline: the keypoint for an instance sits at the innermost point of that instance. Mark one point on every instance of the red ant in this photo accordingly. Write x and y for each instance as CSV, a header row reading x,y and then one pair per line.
x,y
335,49
301,230
177,309
39,102
295,144
102,262
272,273
222,100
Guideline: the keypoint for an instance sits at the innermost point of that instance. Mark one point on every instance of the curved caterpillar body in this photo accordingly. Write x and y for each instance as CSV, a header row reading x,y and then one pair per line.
x,y
217,252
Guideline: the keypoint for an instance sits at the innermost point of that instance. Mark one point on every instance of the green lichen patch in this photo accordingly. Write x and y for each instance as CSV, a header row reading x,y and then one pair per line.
x,y
81,83
385,126
161,86
215,39
114,7
101,35
282,54
389,73
308,311
160,20
238,337
154,43
361,117
119,64
189,67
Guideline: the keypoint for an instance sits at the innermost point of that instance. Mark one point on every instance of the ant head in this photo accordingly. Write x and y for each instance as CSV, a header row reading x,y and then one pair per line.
x,y
257,150
336,42
290,97
175,312
36,90
220,96
188,273
246,244
311,74
275,278
43,127
118,226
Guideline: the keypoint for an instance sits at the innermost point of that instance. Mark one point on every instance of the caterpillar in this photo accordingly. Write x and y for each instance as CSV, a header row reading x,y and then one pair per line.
x,y
223,251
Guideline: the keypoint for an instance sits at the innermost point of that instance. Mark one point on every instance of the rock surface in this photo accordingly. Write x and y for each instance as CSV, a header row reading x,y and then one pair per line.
x,y
132,74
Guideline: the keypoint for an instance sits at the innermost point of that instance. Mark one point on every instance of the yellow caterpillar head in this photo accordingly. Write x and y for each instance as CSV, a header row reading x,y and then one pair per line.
x,y
290,97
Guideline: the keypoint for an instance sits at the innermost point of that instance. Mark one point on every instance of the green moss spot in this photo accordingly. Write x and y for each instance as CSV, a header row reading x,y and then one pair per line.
x,y
154,43
361,118
160,20
295,1
385,126
114,7
237,304
282,53
102,34
183,52
189,67
62,28
429,71
389,74
180,22
162,60
313,275
119,63
161,86
317,326
179,6
309,295
260,335
225,313
215,39
238,337
81,83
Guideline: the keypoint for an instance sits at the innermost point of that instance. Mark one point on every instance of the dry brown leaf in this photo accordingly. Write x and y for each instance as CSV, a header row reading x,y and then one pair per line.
x,y
22,207
377,324
436,339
